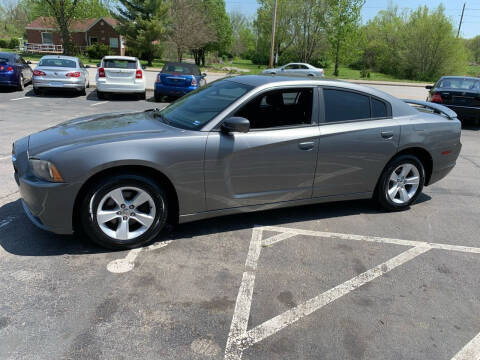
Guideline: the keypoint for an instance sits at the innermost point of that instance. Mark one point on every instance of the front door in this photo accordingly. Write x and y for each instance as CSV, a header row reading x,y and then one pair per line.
x,y
357,138
274,162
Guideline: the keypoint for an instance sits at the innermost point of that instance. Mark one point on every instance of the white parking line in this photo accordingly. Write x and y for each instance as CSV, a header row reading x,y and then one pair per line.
x,y
471,351
240,339
126,264
5,157
99,103
22,98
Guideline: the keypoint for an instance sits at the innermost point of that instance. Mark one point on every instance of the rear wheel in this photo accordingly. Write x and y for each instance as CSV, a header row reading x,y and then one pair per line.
x,y
400,183
83,91
124,211
21,84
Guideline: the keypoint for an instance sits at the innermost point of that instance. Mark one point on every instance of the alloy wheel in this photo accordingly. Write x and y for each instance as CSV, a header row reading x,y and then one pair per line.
x,y
403,183
126,213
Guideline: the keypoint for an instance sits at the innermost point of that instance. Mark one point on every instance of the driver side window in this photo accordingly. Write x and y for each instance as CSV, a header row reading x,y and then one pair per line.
x,y
279,108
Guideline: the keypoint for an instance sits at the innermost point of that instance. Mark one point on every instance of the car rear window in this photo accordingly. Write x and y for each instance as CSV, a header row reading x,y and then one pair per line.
x,y
459,83
184,69
65,63
345,105
4,60
119,64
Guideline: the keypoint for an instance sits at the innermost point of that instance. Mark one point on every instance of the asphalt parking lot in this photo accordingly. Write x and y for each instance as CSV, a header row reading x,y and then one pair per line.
x,y
332,281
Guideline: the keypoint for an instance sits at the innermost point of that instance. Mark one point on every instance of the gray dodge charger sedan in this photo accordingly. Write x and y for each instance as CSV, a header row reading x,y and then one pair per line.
x,y
240,144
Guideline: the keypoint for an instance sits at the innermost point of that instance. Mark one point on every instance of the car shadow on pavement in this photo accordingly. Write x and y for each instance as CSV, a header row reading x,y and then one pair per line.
x,y
92,96
55,93
18,236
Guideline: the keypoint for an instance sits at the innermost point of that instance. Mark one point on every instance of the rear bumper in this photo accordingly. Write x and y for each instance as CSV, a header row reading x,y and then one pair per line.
x,y
8,82
138,87
73,84
466,112
162,89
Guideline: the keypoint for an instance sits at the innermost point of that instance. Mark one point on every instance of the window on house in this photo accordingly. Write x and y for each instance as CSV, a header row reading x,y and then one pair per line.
x,y
278,108
47,38
114,42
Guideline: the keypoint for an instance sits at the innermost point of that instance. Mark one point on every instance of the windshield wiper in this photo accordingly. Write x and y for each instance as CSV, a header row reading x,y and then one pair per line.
x,y
156,112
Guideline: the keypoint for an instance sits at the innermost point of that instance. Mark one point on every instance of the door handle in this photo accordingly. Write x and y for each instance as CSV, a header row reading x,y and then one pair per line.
x,y
387,134
306,145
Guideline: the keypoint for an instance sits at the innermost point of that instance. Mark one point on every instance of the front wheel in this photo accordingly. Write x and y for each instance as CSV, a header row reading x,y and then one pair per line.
x,y
400,183
21,84
124,211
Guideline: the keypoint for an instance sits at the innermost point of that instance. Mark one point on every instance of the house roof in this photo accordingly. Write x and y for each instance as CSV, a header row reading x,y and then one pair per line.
x,y
77,25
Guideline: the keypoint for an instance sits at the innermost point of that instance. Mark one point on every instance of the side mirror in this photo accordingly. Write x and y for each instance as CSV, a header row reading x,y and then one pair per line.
x,y
144,67
429,87
29,62
87,66
204,74
99,65
235,124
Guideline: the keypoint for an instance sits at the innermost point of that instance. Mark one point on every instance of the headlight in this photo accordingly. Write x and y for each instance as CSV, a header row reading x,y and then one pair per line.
x,y
45,170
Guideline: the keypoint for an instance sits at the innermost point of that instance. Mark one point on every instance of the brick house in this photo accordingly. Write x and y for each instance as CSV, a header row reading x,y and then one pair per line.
x,y
42,33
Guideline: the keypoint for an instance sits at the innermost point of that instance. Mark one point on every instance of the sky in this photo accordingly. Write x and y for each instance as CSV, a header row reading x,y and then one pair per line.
x,y
471,20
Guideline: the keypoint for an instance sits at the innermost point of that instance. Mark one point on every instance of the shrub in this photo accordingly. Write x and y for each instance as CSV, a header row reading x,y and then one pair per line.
x,y
98,51
14,43
3,43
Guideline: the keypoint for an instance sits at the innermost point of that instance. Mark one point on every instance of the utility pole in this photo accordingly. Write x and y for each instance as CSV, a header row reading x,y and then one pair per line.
x,y
274,21
461,20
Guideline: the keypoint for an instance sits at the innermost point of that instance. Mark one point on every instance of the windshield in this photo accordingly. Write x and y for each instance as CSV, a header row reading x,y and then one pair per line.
x,y
58,63
459,83
184,69
119,64
196,109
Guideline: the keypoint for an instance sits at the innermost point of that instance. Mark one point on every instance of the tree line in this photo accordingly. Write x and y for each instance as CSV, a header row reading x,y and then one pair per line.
x,y
416,44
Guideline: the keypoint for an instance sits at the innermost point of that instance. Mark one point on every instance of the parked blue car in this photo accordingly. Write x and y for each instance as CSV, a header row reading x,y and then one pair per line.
x,y
178,79
14,71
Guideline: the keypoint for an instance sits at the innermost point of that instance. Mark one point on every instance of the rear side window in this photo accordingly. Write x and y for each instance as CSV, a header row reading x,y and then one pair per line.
x,y
345,105
119,64
379,109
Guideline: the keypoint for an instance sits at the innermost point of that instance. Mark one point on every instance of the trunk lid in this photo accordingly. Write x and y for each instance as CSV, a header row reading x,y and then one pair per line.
x,y
178,80
120,71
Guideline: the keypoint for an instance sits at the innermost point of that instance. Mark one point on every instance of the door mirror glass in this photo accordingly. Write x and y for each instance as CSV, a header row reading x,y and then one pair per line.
x,y
99,65
204,74
144,67
429,87
235,124
29,62
87,66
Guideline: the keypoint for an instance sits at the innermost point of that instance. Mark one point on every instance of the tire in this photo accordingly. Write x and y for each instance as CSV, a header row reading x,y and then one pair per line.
x,y
403,192
124,231
100,95
83,92
21,84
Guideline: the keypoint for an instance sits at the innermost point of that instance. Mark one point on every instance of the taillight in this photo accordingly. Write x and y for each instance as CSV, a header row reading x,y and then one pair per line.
x,y
194,81
9,69
436,98
101,72
38,73
73,74
159,78
138,74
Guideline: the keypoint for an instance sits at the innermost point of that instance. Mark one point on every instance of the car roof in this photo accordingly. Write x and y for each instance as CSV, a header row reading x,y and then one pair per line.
x,y
460,77
180,63
110,57
7,54
74,58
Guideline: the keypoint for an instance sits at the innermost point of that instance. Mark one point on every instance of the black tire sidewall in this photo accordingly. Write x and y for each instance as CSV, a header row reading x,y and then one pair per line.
x,y
100,189
382,196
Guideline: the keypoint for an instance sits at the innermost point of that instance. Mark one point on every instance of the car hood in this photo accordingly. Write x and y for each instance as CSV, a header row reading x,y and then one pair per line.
x,y
95,128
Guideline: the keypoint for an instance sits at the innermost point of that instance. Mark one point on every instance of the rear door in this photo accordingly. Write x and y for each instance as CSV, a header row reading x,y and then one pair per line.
x,y
358,136
120,71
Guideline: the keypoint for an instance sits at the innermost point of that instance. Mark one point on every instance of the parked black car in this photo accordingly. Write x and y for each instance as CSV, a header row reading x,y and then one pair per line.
x,y
459,93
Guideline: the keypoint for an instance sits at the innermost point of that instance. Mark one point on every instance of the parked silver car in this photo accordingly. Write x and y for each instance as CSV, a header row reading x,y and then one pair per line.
x,y
296,69
60,72
240,144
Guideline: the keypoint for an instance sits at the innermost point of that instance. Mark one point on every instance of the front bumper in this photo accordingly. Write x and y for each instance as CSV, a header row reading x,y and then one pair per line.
x,y
167,90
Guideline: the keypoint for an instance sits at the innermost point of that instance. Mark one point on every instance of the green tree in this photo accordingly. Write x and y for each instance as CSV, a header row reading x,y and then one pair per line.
x,y
144,23
243,44
341,23
474,46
